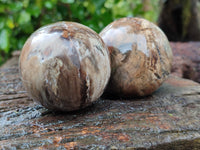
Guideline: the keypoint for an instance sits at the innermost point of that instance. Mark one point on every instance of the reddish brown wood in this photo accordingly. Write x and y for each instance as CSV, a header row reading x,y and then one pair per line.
x,y
186,62
169,119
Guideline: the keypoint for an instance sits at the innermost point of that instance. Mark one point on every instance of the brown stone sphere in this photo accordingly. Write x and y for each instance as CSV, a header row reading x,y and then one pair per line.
x,y
65,66
141,57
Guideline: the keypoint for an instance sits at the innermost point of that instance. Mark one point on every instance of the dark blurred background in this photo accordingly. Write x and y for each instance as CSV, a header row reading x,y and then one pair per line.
x,y
179,19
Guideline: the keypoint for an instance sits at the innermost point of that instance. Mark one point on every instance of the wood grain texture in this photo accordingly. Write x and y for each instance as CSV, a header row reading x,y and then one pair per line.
x,y
168,119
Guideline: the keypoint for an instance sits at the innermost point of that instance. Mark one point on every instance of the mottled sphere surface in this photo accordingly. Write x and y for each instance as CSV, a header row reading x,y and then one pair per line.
x,y
65,66
140,54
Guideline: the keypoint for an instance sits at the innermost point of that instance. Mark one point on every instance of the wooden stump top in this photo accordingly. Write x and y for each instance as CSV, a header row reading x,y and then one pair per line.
x,y
168,119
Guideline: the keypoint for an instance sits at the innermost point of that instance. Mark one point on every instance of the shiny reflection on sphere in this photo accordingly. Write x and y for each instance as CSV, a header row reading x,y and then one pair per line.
x,y
141,57
65,66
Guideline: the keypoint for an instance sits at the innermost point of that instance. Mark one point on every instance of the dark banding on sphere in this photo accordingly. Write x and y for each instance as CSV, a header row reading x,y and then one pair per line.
x,y
65,66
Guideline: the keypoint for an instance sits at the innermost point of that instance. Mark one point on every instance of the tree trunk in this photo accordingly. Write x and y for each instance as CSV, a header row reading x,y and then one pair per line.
x,y
180,20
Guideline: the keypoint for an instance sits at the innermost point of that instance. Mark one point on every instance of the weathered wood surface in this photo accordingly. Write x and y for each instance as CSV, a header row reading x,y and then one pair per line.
x,y
169,119
186,61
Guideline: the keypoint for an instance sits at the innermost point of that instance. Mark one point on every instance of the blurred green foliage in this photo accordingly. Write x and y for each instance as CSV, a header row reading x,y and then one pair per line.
x,y
19,18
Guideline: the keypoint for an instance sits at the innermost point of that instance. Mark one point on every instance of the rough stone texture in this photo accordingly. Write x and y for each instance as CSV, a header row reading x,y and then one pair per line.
x,y
186,62
169,119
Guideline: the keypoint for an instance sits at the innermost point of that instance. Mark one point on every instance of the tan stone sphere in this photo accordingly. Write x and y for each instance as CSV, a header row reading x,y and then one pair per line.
x,y
140,54
65,66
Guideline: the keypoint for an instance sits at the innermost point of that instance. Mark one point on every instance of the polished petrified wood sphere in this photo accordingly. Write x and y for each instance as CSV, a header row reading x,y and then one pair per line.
x,y
65,66
140,54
